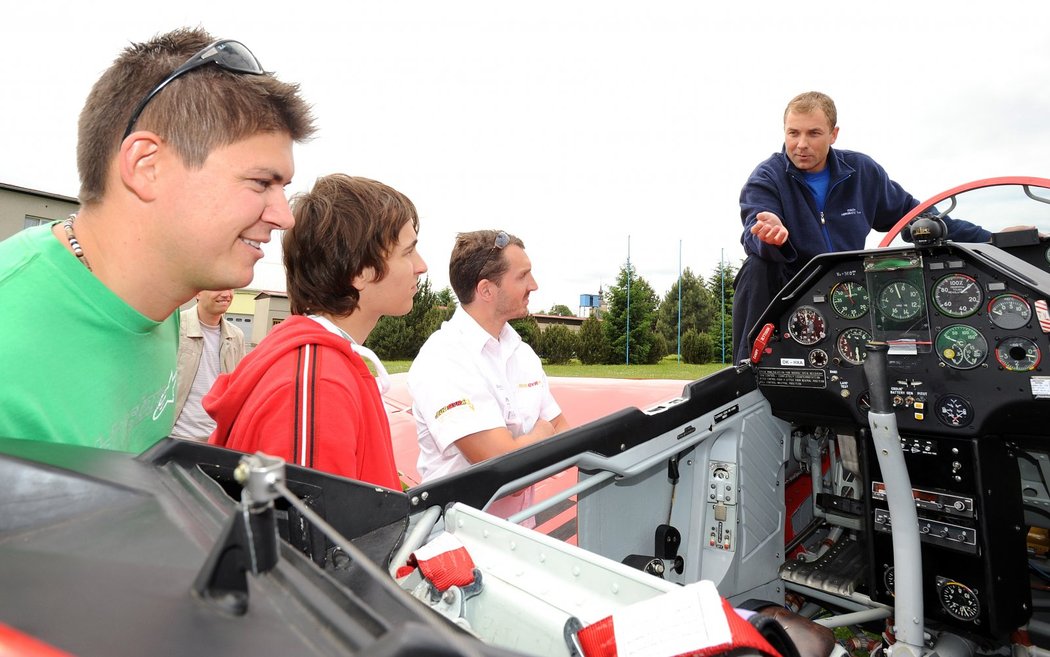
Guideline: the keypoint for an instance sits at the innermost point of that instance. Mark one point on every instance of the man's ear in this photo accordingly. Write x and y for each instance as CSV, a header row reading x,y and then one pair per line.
x,y
139,163
485,290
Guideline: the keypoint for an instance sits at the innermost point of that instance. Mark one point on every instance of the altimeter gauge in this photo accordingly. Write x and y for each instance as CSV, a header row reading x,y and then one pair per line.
x,y
900,300
807,325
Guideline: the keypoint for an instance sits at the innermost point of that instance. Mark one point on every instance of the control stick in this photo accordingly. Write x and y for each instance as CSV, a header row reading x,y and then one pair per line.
x,y
904,527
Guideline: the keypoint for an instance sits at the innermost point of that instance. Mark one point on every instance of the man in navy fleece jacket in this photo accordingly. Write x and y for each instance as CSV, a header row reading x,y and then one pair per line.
x,y
810,199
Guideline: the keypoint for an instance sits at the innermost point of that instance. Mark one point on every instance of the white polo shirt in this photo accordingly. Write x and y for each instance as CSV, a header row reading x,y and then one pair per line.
x,y
464,381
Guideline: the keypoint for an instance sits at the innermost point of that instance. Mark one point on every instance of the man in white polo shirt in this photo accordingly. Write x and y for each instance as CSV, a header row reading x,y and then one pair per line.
x,y
478,390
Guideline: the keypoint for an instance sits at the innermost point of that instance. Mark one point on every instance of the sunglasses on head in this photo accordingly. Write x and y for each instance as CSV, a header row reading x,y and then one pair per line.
x,y
501,241
230,55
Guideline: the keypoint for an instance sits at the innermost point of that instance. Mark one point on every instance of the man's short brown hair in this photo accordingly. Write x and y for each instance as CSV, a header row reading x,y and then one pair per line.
x,y
476,257
342,226
196,113
812,101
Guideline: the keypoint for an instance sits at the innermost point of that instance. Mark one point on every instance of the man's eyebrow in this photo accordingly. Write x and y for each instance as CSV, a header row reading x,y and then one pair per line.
x,y
411,245
271,174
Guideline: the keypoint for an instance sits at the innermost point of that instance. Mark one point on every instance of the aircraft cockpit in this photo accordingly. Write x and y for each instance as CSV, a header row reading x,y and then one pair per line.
x,y
963,372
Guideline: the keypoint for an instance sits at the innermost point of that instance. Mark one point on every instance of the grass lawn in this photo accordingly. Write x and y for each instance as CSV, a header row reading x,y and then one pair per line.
x,y
668,368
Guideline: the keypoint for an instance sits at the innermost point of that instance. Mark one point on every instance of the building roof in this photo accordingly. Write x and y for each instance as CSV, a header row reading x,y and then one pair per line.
x,y
37,192
266,294
558,319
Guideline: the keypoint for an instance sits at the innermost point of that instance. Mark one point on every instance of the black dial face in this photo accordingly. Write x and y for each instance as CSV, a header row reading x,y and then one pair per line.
x,y
1009,311
954,411
961,347
807,325
851,343
818,358
900,300
864,402
850,299
1018,354
959,601
887,579
957,295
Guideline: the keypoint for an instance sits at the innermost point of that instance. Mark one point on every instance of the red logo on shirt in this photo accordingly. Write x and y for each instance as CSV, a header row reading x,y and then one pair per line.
x,y
531,384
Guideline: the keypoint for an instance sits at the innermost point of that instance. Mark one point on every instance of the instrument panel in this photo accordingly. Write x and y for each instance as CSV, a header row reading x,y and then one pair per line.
x,y
967,327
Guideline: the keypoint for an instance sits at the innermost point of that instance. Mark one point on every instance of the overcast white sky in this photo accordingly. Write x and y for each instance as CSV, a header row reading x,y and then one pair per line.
x,y
575,124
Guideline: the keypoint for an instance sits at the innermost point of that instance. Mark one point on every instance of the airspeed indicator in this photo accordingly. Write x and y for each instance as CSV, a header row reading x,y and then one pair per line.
x,y
850,299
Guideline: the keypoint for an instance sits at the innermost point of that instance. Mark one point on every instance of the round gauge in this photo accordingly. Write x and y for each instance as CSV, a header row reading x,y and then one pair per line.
x,y
1009,311
961,347
850,299
1018,354
807,325
900,300
887,579
957,295
851,343
818,358
954,411
1048,254
864,402
959,601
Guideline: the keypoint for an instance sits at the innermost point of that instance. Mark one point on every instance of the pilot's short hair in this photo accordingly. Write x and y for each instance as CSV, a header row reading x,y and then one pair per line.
x,y
812,101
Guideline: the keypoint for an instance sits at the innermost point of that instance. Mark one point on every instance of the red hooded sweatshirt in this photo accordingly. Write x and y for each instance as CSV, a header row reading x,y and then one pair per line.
x,y
305,396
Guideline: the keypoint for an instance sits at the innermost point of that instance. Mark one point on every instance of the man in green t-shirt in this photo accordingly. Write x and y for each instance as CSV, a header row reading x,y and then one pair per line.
x,y
184,149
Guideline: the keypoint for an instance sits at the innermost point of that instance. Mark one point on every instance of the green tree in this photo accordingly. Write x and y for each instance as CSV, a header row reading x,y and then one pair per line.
x,y
399,338
658,350
593,348
559,344
720,284
697,348
699,309
529,331
447,299
561,310
641,313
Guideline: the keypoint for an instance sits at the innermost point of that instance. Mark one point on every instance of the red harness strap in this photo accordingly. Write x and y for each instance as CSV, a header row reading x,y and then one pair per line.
x,y
693,621
443,561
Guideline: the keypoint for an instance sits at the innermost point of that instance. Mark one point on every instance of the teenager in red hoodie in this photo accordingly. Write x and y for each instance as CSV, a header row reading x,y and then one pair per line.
x,y
305,393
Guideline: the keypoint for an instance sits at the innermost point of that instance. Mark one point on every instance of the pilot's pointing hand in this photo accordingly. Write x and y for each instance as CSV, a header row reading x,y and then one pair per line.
x,y
770,229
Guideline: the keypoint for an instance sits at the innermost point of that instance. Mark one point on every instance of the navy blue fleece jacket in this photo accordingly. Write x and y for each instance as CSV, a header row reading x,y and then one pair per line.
x,y
860,197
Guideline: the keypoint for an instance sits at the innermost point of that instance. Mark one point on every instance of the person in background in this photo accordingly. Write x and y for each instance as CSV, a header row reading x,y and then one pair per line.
x,y
305,393
479,391
184,149
810,199
209,345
